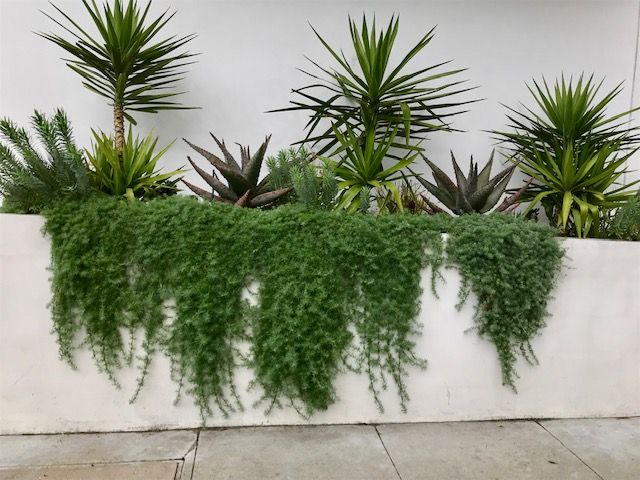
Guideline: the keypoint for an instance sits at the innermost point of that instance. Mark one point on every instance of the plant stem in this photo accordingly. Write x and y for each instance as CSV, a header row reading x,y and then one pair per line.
x,y
118,125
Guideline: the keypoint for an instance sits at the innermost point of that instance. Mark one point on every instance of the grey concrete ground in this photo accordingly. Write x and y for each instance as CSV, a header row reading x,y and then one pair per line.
x,y
605,449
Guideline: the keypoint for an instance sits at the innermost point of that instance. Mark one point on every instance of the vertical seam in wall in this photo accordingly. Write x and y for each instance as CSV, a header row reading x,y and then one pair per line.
x,y
634,75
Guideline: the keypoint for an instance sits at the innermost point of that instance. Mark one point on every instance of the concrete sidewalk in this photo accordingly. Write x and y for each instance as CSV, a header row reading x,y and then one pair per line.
x,y
520,450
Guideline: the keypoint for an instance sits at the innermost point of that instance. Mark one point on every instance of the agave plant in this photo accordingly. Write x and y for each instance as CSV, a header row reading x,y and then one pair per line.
x,y
124,61
478,192
243,187
31,181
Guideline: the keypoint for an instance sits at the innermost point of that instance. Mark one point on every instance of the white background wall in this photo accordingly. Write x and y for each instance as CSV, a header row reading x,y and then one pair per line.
x,y
251,48
589,356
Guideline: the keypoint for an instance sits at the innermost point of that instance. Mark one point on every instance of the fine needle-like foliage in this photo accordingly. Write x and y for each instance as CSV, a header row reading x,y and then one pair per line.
x,y
31,180
326,300
373,95
124,61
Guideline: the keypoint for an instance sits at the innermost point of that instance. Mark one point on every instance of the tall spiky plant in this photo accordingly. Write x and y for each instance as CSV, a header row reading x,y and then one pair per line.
x,y
125,62
373,95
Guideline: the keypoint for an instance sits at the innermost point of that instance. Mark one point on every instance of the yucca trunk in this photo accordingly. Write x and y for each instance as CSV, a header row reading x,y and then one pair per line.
x,y
118,126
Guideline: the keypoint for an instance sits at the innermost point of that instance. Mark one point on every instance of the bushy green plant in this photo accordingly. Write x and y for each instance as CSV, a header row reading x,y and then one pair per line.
x,y
31,181
244,187
327,300
475,193
124,62
373,96
574,152
314,186
361,171
625,223
132,172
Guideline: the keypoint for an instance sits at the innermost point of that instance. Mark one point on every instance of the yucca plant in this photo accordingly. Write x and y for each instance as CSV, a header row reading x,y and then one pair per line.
x,y
132,172
361,172
412,200
244,187
477,192
124,62
624,224
373,95
575,153
575,186
31,181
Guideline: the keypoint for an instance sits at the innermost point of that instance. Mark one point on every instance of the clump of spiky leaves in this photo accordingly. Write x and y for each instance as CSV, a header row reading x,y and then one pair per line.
x,y
124,61
361,172
131,172
29,180
478,192
313,185
375,95
244,187
575,153
411,198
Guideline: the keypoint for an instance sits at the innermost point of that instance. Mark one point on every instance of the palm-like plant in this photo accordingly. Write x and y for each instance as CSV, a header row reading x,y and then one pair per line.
x,y
361,170
372,96
125,62
575,153
30,181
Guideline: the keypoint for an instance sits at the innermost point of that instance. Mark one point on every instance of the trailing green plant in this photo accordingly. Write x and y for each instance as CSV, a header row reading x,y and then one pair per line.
x,y
625,222
244,187
475,193
31,181
360,171
326,300
313,185
131,172
373,96
124,61
574,152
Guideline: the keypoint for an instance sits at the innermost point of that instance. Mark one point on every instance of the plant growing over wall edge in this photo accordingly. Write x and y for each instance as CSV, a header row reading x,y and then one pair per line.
x,y
327,300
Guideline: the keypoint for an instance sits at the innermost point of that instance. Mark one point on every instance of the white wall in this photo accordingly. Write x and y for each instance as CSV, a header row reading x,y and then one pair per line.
x,y
589,356
251,48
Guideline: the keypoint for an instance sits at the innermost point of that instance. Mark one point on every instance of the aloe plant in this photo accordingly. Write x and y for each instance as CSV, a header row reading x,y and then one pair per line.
x,y
243,187
477,192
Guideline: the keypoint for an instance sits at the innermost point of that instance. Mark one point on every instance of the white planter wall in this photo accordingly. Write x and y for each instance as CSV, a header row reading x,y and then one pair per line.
x,y
589,356
251,49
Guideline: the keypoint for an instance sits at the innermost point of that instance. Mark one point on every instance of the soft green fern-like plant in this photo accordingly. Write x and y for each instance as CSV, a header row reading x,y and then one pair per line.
x,y
31,181
314,186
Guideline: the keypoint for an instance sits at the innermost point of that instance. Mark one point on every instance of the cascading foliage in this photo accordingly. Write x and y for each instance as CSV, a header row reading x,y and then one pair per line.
x,y
336,291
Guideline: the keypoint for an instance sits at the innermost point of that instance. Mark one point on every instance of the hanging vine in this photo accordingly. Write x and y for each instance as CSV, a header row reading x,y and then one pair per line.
x,y
335,291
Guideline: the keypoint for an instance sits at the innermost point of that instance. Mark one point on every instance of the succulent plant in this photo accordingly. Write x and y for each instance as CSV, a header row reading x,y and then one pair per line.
x,y
243,188
475,193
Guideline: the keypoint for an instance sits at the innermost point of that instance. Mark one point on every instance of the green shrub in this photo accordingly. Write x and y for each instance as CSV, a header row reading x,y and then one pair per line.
x,y
336,291
312,186
31,181
625,224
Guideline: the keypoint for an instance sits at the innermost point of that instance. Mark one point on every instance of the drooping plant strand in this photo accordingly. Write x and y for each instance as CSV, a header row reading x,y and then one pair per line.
x,y
335,291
